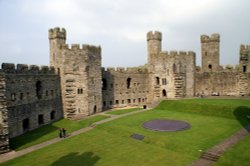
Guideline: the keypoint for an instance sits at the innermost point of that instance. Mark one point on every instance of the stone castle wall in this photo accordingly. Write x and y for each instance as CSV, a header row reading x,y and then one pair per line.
x,y
4,132
33,97
124,87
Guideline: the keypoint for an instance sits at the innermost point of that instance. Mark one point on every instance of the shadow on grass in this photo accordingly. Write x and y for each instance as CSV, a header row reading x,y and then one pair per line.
x,y
242,114
33,135
86,158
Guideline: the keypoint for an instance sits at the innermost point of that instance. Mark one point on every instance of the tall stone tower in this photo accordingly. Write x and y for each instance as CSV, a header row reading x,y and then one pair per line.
x,y
210,52
80,75
154,45
57,38
244,70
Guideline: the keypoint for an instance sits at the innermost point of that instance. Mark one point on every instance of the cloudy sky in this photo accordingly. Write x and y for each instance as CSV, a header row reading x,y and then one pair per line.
x,y
120,27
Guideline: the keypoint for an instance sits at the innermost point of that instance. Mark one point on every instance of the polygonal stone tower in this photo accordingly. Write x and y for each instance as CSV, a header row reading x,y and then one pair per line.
x,y
154,45
79,68
210,52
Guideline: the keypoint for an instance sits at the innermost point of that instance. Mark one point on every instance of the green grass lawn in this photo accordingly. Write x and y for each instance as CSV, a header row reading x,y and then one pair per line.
x,y
50,131
123,111
110,144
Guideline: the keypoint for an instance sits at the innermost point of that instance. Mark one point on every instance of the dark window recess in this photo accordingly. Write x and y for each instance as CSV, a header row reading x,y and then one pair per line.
x,y
157,80
244,69
95,109
128,83
117,102
104,103
129,100
104,84
122,101
26,124
40,119
139,100
210,66
52,115
164,93
39,89
21,96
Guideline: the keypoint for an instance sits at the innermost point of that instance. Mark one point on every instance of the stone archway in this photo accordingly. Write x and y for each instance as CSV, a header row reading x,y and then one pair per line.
x,y
164,93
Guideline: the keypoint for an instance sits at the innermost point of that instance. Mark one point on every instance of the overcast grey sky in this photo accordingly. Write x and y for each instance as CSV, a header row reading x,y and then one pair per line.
x,y
120,27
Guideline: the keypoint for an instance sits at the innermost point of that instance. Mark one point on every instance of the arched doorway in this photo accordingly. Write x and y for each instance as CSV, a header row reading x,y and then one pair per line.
x,y
95,109
52,115
26,124
164,93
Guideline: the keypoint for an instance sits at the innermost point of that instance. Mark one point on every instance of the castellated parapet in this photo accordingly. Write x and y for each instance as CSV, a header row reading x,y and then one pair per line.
x,y
154,35
27,69
128,70
57,33
215,37
84,47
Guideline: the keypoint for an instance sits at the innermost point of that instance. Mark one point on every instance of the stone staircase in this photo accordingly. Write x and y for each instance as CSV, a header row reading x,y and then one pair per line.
x,y
210,156
243,84
154,103
179,82
70,95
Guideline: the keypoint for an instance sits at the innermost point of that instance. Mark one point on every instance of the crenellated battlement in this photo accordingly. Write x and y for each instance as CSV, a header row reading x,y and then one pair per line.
x,y
57,33
154,35
177,53
26,69
215,37
83,47
244,49
128,70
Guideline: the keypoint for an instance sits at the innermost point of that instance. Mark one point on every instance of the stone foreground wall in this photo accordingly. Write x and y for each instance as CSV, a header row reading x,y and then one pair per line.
x,y
4,133
33,97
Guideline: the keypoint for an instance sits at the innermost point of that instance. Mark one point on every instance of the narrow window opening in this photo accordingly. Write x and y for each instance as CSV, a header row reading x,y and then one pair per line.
x,y
104,84
244,69
39,89
157,80
128,83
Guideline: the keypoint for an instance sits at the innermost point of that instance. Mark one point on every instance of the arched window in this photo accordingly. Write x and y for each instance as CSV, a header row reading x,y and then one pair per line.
x,y
52,115
210,66
164,93
39,89
157,80
104,84
128,83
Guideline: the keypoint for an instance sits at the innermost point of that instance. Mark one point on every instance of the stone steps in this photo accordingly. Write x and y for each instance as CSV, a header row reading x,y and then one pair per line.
x,y
210,156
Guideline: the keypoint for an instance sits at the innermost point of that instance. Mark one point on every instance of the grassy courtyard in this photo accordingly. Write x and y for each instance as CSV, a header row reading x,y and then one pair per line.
x,y
110,143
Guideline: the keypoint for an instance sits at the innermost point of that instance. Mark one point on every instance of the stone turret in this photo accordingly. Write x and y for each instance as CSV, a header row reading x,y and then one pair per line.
x,y
245,58
57,38
154,44
210,52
